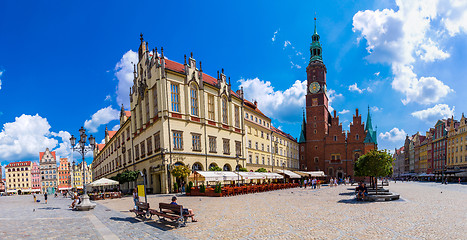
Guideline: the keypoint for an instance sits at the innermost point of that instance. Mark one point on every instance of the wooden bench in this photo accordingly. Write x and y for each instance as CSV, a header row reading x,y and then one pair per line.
x,y
141,210
172,212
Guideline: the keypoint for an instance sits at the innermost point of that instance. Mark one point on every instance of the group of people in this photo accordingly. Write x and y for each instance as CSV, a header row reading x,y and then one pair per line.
x,y
335,181
314,183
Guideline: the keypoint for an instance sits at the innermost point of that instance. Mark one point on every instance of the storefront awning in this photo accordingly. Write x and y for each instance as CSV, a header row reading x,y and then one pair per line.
x,y
316,174
11,191
289,173
273,175
303,174
252,175
214,176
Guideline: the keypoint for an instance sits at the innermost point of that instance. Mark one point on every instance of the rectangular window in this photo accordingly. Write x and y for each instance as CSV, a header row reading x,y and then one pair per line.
x,y
226,144
146,103
249,143
238,148
157,142
136,152
175,97
128,133
177,139
140,113
225,115
251,159
149,145
196,142
211,107
237,116
194,100
212,144
143,149
154,100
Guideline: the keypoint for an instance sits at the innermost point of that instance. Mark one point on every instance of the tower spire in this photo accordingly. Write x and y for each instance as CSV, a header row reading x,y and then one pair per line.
x,y
302,138
315,46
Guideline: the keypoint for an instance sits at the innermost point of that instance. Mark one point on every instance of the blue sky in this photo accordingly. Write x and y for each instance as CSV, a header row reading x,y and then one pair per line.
x,y
64,65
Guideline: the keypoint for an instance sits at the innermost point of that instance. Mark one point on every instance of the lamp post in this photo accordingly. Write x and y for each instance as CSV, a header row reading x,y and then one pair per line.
x,y
82,149
283,170
238,170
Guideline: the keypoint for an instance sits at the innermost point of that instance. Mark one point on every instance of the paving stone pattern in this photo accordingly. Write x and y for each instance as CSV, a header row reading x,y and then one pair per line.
x,y
425,211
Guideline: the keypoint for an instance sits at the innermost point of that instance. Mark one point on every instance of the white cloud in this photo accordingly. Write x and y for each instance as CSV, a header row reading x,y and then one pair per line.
x,y
344,112
394,135
103,116
377,73
402,38
331,96
25,138
124,74
281,105
64,148
376,109
275,34
287,43
355,88
116,127
439,111
295,65
108,98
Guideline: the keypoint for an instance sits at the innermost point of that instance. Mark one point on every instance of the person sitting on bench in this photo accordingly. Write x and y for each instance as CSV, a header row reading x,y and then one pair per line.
x,y
185,210
359,191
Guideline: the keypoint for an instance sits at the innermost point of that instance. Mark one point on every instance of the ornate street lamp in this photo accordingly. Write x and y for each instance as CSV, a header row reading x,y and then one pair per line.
x,y
238,171
82,149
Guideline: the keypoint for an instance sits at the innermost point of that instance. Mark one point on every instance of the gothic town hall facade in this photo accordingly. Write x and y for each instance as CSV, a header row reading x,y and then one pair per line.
x,y
324,146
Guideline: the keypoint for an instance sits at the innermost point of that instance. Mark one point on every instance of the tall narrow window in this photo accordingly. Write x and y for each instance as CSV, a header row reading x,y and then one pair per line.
x,y
238,148
226,143
140,112
136,152
177,139
237,116
154,100
146,104
157,142
149,145
212,144
225,116
175,96
194,100
196,142
211,107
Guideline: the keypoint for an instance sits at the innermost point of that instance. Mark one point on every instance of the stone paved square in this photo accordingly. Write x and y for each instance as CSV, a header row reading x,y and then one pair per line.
x,y
425,211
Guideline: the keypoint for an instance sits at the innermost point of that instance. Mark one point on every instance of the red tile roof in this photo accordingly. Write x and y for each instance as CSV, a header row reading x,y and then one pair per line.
x,y
18,164
180,68
42,154
276,130
112,133
254,108
128,113
100,146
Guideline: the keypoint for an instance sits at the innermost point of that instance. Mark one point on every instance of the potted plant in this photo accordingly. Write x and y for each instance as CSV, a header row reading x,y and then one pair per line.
x,y
188,189
202,189
217,190
175,187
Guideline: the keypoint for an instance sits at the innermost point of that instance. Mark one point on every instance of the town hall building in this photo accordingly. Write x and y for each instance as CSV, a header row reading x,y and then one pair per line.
x,y
324,146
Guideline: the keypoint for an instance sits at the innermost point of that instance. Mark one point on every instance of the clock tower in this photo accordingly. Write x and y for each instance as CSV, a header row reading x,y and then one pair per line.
x,y
317,112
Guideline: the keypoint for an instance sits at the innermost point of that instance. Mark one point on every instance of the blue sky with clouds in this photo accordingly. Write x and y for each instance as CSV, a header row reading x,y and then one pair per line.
x,y
65,65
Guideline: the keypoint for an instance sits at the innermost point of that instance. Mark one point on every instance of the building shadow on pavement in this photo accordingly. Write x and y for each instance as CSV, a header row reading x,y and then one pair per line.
x,y
347,194
162,225
126,219
353,201
49,208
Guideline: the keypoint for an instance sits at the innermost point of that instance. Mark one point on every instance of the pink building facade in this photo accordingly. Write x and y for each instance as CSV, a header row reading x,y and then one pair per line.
x,y
35,178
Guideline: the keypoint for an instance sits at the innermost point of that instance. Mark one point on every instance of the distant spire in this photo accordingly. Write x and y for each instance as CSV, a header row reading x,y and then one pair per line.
x,y
141,37
315,46
302,138
316,32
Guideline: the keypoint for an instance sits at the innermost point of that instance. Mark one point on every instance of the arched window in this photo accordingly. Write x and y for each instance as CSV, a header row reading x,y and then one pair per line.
x,y
194,100
237,168
212,165
225,115
227,167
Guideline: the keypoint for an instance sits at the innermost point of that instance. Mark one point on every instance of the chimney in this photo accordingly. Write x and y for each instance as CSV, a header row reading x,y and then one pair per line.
x,y
335,113
256,103
356,112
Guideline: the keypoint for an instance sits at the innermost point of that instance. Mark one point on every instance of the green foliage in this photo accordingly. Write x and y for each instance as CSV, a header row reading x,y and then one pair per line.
x,y
126,176
215,168
202,188
190,185
218,188
242,169
175,186
261,170
180,171
376,163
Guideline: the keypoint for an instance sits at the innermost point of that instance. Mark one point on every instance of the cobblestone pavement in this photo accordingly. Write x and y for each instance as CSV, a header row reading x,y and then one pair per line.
x,y
21,218
425,211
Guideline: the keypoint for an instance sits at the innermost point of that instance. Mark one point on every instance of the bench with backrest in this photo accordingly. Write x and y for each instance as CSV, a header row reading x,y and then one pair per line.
x,y
141,209
172,212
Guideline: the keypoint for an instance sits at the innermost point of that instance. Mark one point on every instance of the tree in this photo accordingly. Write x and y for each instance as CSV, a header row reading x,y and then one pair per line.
x,y
376,163
242,169
215,168
260,170
180,172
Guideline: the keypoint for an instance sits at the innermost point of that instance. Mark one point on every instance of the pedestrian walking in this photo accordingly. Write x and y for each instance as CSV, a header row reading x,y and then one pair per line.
x,y
35,199
305,182
335,182
45,197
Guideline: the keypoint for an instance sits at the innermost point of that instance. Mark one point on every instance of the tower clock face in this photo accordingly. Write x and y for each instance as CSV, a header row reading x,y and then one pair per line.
x,y
314,87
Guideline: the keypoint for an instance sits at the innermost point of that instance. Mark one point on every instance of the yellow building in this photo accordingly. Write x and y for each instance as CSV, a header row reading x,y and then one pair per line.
x,y
422,164
457,145
77,180
182,116
18,177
